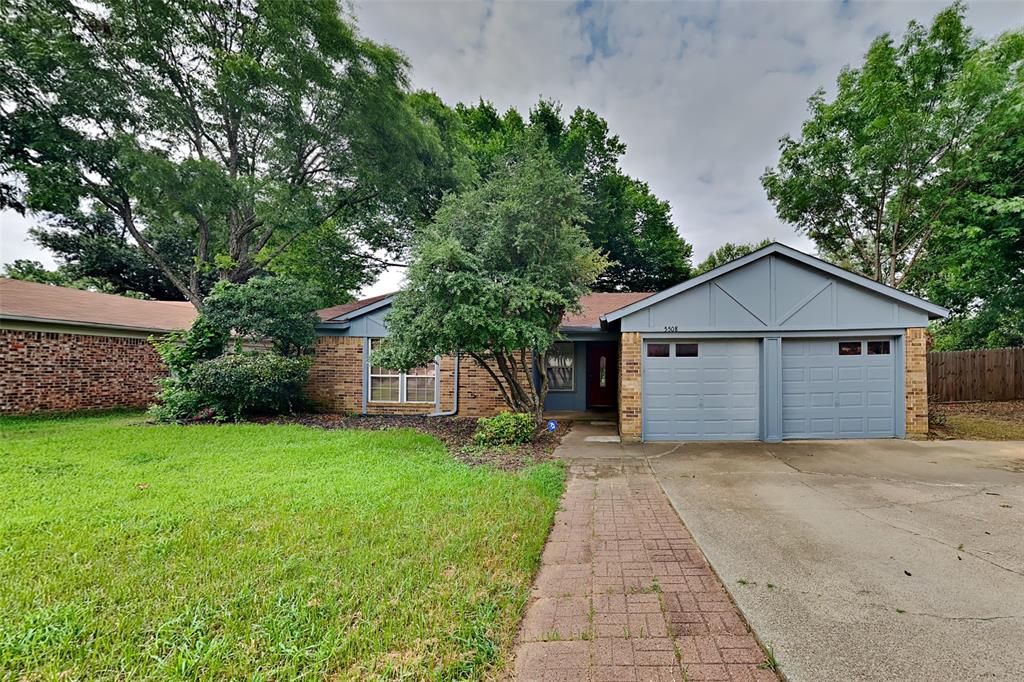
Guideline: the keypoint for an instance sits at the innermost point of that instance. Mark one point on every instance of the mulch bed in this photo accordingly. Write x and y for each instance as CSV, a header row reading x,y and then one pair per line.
x,y
455,432
1008,410
996,420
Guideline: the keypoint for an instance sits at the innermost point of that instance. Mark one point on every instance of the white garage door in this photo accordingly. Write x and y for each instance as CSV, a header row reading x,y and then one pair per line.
x,y
838,388
701,390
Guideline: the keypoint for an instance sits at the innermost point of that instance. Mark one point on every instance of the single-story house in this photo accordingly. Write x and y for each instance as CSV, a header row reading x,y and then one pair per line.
x,y
64,349
775,345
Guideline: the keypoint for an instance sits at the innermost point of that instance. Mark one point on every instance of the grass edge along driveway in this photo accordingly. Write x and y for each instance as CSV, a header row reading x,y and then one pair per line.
x,y
261,552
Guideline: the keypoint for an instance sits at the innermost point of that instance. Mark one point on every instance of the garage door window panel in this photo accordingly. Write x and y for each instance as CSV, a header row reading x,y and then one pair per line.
x,y
849,347
878,347
657,350
687,350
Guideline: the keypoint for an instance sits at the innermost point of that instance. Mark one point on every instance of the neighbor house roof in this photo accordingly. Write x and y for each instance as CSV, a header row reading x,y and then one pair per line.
x,y
934,311
32,302
593,307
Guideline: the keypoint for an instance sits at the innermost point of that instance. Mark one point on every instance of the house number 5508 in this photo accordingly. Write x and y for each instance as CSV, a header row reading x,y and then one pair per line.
x,y
672,329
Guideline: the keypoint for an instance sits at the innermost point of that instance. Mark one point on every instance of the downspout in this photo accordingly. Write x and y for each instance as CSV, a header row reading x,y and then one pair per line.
x,y
455,394
366,371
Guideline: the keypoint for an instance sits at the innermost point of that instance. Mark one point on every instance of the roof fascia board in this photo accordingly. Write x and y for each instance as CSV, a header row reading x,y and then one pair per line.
x,y
811,261
91,325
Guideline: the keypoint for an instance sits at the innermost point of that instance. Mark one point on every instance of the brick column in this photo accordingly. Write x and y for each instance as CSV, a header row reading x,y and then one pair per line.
x,y
630,387
915,358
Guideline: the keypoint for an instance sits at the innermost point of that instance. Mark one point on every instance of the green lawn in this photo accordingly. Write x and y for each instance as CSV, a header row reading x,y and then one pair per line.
x,y
260,552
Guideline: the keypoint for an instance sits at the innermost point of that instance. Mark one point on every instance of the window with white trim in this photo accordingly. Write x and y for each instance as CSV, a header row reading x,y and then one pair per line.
x,y
392,386
561,367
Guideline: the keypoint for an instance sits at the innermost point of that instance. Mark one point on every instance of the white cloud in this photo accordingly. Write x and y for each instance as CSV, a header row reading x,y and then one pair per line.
x,y
700,92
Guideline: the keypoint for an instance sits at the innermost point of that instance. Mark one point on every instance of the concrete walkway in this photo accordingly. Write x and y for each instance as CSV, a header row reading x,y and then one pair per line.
x,y
624,594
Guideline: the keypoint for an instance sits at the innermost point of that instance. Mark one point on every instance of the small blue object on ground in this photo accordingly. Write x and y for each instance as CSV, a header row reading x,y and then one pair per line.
x,y
552,425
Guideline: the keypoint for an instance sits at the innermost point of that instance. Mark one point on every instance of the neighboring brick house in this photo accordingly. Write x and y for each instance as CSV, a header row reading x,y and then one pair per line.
x,y
65,349
775,345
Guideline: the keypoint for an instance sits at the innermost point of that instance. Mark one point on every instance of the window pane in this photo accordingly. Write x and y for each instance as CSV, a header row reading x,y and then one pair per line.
x,y
686,350
380,371
419,389
849,347
384,389
424,371
657,350
878,347
560,367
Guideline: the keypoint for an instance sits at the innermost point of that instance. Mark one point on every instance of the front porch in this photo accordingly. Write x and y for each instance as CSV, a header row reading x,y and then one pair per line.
x,y
582,374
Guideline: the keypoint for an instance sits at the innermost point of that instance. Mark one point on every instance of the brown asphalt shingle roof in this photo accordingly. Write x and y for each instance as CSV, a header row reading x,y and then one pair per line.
x,y
594,306
45,303
340,311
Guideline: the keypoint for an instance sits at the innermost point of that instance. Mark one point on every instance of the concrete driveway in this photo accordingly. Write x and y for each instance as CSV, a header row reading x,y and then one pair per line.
x,y
864,560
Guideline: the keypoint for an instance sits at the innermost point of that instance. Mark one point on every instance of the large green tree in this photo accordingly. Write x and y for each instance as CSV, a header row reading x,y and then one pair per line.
x,y
94,252
728,252
975,263
876,168
623,217
494,274
244,126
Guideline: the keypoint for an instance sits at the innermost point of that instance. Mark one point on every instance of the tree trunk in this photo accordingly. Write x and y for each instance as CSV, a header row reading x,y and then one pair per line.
x,y
515,383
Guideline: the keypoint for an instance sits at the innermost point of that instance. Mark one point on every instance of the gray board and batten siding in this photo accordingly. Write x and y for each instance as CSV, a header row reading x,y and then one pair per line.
x,y
792,322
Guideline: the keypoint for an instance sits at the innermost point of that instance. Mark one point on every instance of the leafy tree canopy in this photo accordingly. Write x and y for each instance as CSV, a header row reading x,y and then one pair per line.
x,y
239,127
624,218
875,170
975,264
493,275
276,310
93,247
728,252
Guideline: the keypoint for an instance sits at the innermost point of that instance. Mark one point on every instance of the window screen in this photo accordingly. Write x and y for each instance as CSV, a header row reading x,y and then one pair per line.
x,y
561,367
386,385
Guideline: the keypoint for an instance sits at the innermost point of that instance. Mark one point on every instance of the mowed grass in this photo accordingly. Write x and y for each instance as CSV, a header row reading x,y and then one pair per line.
x,y
135,551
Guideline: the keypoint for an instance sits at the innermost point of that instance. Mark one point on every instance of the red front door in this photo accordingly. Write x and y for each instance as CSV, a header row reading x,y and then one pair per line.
x,y
602,374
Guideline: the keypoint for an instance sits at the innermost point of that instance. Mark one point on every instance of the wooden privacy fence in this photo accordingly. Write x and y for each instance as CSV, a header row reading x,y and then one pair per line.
x,y
992,374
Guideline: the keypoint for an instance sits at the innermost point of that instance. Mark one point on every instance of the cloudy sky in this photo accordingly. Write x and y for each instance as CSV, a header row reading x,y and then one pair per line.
x,y
699,92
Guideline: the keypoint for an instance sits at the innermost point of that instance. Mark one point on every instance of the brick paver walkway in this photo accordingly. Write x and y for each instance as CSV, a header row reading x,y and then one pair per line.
x,y
624,594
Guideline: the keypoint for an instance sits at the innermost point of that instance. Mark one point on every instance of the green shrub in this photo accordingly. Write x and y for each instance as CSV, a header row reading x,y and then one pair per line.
x,y
507,428
235,386
250,383
177,403
180,351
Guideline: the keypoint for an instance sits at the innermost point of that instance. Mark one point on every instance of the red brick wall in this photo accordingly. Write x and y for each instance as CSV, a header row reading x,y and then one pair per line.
x,y
44,371
336,383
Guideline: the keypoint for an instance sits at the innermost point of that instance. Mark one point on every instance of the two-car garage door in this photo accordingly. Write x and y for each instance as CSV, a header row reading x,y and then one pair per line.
x,y
703,390
711,389
834,388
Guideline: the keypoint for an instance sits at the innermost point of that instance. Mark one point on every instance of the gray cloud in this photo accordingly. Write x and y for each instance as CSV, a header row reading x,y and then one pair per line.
x,y
700,92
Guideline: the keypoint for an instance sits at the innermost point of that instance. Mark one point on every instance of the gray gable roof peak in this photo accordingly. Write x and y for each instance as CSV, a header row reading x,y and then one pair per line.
x,y
934,311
